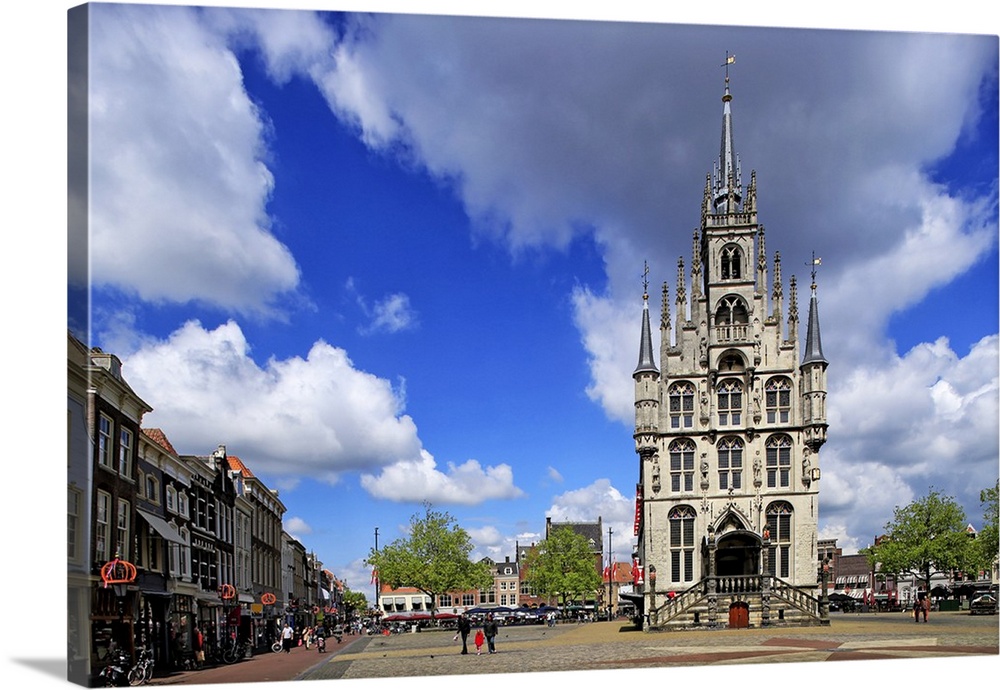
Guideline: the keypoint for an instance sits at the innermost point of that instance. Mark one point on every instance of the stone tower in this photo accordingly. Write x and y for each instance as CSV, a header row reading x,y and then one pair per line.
x,y
728,428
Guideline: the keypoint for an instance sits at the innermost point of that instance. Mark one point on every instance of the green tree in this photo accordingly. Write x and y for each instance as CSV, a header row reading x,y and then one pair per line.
x,y
433,557
562,566
354,602
988,540
925,537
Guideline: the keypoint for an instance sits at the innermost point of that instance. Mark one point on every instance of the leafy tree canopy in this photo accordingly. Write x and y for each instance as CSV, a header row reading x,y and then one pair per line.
x,y
562,565
354,601
433,557
925,537
987,542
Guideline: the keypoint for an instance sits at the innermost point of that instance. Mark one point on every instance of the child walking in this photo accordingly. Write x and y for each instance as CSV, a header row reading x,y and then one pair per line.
x,y
480,638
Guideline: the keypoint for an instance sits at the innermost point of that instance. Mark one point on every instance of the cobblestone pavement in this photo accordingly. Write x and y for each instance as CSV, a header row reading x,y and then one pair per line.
x,y
616,645
266,666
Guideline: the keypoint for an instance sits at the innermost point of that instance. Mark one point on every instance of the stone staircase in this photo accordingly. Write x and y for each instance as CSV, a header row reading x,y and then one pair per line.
x,y
768,602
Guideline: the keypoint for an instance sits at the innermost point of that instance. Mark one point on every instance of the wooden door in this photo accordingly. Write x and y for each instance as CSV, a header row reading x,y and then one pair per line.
x,y
739,615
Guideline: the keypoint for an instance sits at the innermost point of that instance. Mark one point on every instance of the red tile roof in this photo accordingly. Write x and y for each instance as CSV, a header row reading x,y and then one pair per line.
x,y
622,573
160,438
237,464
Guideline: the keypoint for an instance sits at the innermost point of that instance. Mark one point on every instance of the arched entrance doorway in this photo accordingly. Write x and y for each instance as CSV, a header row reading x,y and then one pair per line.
x,y
737,553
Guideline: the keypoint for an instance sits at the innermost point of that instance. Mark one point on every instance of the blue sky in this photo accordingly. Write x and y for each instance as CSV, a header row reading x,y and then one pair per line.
x,y
450,222
391,259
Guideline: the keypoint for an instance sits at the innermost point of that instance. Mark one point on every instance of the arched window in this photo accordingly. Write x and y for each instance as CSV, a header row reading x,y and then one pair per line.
x,y
732,263
730,394
731,310
778,399
779,520
732,319
730,463
681,402
152,489
682,465
779,461
681,521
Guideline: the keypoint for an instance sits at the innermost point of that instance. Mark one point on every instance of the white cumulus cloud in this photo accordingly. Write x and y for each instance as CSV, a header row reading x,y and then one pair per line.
x,y
297,527
179,181
599,499
420,480
316,415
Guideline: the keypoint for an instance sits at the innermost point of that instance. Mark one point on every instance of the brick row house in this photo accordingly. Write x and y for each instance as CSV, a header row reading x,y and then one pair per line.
x,y
203,533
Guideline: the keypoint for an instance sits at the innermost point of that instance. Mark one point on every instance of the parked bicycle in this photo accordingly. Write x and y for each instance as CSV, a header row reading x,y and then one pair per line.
x,y
115,672
232,651
142,672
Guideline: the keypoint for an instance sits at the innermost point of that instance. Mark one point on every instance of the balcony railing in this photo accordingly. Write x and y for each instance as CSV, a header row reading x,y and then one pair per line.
x,y
732,333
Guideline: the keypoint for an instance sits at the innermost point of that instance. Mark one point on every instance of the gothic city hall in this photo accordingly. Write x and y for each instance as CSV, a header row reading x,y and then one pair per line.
x,y
728,428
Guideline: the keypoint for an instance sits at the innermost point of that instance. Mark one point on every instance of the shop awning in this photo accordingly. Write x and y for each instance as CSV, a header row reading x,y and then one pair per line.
x,y
164,529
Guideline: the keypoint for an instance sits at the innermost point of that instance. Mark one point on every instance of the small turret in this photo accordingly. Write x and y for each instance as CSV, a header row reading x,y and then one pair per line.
x,y
647,365
646,376
813,370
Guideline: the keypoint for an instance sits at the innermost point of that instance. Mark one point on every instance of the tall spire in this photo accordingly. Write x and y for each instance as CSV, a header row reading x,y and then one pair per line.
x,y
727,170
814,346
646,362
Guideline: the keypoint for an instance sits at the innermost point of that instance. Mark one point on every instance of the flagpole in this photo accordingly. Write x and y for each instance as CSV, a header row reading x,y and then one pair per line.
x,y
611,574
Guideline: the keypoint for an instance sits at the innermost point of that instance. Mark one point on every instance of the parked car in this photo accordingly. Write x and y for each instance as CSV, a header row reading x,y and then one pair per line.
x,y
985,604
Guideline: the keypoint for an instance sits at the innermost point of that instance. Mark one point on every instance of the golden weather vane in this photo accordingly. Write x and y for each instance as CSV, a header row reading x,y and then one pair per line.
x,y
730,60
816,261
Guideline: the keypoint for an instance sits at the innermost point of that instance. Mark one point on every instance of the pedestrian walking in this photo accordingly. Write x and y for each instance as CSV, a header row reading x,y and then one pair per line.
x,y
286,638
198,647
464,628
479,642
490,630
926,607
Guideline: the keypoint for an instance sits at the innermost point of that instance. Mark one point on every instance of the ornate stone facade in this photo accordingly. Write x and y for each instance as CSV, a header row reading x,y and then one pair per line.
x,y
728,428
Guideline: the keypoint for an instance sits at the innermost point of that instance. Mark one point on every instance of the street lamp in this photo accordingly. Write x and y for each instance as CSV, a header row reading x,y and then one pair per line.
x,y
375,573
824,601
227,593
118,574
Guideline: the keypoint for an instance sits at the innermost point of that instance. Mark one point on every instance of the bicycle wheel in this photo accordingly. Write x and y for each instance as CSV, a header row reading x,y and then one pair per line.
x,y
147,672
135,675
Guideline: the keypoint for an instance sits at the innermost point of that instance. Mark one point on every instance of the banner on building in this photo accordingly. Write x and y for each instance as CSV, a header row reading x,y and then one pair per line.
x,y
638,509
